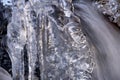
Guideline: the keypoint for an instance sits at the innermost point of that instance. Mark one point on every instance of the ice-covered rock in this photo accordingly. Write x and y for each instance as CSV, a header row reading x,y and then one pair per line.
x,y
111,8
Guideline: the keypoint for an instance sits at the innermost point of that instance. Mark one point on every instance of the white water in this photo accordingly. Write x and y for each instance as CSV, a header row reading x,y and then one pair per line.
x,y
106,39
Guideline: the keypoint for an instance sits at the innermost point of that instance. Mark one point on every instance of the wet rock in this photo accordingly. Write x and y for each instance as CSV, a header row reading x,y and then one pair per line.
x,y
5,15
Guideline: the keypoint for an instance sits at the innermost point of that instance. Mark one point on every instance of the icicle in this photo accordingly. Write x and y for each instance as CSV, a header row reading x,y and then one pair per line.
x,y
30,17
16,39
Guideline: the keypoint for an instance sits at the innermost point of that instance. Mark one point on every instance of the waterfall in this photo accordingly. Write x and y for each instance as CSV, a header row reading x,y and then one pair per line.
x,y
104,36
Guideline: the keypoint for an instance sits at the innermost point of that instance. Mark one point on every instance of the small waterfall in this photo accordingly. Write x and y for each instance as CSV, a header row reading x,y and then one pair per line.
x,y
104,36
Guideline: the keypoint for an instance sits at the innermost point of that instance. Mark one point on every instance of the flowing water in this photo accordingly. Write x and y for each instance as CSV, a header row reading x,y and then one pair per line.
x,y
105,38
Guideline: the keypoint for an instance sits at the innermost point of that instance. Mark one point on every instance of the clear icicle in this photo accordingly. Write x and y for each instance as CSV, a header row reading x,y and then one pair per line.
x,y
16,39
31,39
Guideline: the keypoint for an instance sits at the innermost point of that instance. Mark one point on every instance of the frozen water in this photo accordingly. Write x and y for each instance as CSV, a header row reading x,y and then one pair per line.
x,y
53,36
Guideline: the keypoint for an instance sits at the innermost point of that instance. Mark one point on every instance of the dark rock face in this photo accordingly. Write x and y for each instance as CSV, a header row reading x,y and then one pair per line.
x,y
5,61
5,14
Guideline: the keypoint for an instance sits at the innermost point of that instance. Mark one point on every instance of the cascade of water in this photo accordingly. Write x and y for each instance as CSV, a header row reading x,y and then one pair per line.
x,y
105,37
